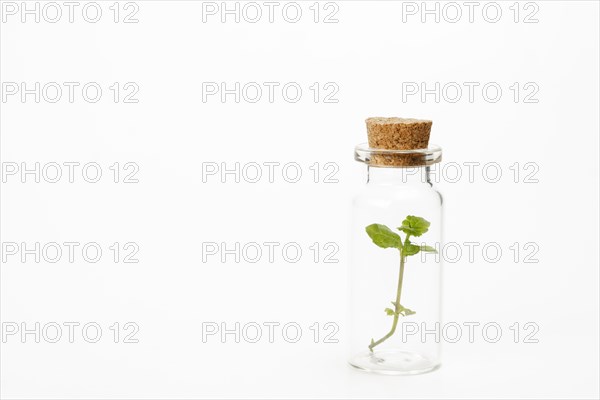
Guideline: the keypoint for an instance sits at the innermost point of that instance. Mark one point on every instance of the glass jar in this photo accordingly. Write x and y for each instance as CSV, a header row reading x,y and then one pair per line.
x,y
395,283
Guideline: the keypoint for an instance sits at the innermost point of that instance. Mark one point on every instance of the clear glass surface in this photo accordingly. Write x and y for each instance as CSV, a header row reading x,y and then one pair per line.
x,y
390,195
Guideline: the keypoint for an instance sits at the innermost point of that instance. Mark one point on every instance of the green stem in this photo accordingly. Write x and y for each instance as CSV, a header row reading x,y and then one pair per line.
x,y
397,304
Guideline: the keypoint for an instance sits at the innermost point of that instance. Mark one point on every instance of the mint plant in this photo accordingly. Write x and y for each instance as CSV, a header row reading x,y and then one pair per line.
x,y
385,238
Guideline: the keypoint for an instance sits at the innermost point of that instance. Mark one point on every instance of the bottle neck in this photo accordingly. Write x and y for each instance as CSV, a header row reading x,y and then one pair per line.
x,y
399,176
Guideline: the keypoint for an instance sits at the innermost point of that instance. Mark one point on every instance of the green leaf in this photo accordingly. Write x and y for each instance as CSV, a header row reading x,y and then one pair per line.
x,y
402,311
428,248
383,236
414,226
410,249
406,312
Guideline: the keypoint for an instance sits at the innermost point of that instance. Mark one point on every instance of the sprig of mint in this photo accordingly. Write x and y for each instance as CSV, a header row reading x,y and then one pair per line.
x,y
385,238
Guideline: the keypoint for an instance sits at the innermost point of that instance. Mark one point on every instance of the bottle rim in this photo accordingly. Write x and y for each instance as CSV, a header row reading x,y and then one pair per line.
x,y
397,158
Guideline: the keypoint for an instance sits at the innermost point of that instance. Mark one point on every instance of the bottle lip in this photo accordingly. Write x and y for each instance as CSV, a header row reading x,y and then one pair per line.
x,y
397,158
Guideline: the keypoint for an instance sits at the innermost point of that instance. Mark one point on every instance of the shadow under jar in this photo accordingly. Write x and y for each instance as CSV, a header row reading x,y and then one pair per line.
x,y
395,269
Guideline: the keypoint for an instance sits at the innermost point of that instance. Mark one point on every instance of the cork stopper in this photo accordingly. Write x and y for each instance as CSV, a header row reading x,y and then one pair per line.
x,y
398,134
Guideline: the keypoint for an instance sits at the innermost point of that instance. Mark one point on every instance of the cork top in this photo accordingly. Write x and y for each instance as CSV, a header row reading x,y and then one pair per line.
x,y
398,133
399,142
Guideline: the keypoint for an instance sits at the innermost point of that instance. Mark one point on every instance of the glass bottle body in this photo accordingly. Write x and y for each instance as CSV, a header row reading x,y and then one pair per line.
x,y
386,338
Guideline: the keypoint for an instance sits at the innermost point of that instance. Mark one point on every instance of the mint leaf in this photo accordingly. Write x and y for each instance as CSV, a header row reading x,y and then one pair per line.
x,y
428,248
414,226
383,236
402,311
406,312
410,249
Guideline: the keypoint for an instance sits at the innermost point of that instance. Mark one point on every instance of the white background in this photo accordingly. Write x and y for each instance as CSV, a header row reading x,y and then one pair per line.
x,y
368,54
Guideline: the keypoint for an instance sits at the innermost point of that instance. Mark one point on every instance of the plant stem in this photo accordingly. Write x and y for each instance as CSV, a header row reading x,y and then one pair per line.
x,y
397,304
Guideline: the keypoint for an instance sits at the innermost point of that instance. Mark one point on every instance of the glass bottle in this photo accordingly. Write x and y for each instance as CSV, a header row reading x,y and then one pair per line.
x,y
395,295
